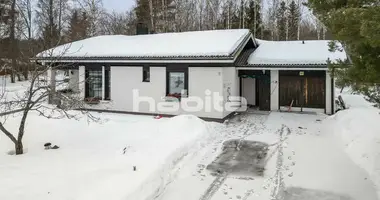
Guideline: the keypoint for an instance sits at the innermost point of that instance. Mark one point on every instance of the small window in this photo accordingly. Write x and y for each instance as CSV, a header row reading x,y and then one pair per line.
x,y
146,74
176,84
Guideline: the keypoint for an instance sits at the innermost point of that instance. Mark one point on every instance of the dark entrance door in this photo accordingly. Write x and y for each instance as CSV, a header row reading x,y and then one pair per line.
x,y
263,88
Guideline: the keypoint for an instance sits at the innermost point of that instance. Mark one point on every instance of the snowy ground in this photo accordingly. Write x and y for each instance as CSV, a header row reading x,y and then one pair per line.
x,y
91,163
311,157
311,160
357,130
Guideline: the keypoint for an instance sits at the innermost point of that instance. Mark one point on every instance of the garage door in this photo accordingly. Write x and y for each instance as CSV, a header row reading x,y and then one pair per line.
x,y
305,89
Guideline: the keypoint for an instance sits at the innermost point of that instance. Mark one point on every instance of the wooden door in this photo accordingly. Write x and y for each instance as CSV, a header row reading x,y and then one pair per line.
x,y
290,90
263,87
306,92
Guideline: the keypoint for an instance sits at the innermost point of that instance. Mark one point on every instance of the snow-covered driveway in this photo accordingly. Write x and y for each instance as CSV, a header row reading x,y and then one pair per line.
x,y
310,164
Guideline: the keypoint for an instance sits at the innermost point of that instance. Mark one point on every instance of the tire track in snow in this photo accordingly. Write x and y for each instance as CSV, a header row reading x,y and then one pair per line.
x,y
215,185
279,187
249,126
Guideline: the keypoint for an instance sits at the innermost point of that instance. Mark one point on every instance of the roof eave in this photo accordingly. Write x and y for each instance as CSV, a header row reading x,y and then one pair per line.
x,y
306,65
207,59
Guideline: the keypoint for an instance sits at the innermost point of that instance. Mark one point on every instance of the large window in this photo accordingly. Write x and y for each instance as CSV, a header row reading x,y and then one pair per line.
x,y
95,86
177,84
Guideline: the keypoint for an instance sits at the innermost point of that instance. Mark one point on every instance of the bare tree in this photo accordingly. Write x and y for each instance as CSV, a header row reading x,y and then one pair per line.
x,y
95,12
13,43
118,24
41,87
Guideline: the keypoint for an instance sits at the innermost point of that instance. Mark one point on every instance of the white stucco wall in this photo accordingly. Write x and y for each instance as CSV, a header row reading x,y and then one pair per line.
x,y
125,79
207,78
230,86
74,80
274,89
81,82
249,90
328,93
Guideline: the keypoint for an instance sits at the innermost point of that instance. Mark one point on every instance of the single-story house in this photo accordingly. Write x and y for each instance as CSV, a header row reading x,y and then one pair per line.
x,y
197,72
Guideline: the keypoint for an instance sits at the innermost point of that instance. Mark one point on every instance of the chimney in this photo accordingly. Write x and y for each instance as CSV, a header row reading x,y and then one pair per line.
x,y
141,29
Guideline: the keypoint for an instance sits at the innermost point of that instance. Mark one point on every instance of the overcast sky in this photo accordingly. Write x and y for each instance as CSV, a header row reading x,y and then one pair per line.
x,y
118,5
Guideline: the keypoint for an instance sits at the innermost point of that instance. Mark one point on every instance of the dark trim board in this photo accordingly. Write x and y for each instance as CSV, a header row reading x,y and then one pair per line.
x,y
167,65
155,114
332,96
284,66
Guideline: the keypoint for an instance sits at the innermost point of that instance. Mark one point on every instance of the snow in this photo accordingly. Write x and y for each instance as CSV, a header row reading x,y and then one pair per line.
x,y
328,157
91,163
196,43
358,130
312,161
320,164
294,52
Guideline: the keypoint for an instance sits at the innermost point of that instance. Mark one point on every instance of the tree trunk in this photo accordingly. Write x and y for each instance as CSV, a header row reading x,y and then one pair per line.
x,y
18,74
13,77
13,41
19,148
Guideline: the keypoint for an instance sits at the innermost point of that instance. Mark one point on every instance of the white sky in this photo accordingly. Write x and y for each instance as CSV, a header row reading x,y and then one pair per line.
x,y
118,5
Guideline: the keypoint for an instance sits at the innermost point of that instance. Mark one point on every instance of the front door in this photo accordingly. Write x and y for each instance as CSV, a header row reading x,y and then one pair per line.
x,y
263,87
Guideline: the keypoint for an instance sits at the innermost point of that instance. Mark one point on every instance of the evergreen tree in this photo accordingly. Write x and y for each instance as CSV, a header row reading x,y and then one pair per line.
x,y
293,21
281,21
356,25
74,26
254,22
84,26
50,35
78,27
142,11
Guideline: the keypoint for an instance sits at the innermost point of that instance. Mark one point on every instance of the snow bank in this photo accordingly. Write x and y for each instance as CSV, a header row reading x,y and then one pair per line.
x,y
358,130
96,161
185,126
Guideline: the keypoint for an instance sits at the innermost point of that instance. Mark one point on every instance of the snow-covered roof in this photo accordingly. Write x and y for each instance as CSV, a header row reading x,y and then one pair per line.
x,y
312,52
214,43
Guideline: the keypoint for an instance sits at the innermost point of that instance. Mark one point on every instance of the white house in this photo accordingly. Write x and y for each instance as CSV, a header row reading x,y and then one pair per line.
x,y
212,67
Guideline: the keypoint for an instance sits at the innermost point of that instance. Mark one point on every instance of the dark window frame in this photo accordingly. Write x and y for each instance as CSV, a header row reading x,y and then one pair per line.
x,y
146,74
186,84
107,83
98,70
93,77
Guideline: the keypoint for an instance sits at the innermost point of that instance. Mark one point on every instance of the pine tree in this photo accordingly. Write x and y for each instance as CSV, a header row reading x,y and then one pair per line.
x,y
84,26
50,35
78,26
254,22
281,21
293,21
74,26
142,11
356,25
